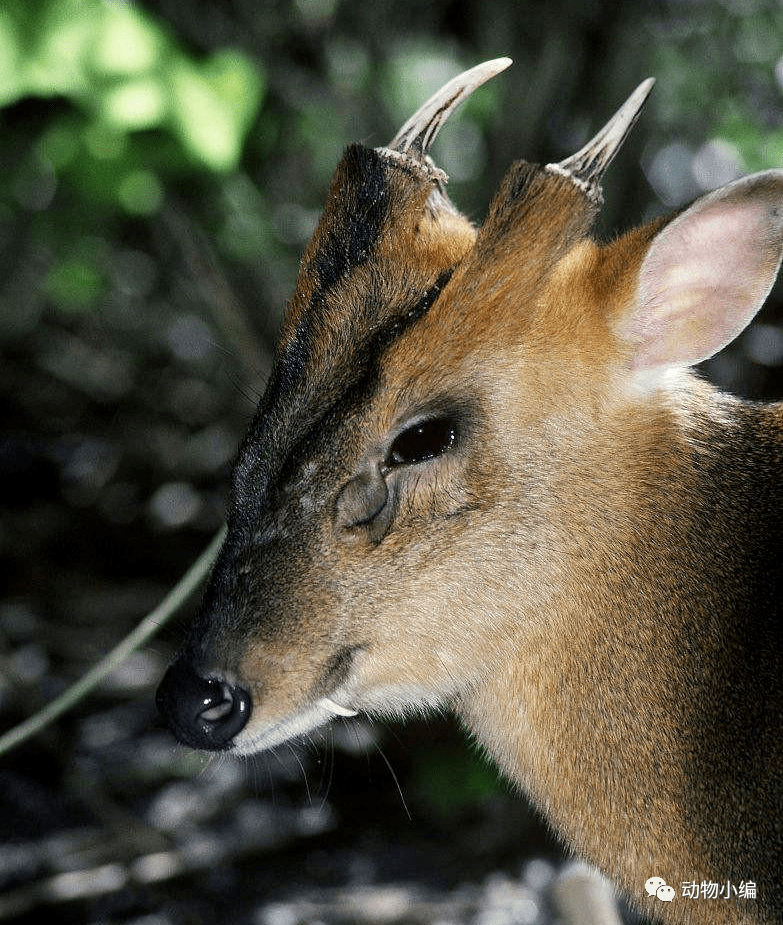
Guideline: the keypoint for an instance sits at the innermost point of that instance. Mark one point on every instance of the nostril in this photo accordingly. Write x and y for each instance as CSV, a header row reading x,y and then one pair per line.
x,y
222,710
204,713
225,708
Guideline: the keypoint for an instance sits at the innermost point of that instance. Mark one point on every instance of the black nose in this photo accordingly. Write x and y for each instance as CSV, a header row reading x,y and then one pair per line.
x,y
202,712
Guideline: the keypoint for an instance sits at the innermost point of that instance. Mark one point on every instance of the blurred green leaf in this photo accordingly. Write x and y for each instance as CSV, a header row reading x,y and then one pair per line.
x,y
11,77
60,142
451,779
127,43
760,147
115,63
140,192
74,285
213,106
60,48
137,104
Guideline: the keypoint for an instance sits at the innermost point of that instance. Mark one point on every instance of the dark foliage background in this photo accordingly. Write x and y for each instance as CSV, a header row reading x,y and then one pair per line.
x,y
163,165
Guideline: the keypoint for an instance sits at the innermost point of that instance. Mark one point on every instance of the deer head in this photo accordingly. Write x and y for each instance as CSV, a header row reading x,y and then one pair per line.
x,y
418,488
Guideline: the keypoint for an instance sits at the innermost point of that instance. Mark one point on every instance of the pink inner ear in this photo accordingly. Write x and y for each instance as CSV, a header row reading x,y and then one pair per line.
x,y
707,273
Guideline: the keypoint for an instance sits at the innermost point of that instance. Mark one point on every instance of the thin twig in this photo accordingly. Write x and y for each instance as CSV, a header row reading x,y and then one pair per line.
x,y
143,632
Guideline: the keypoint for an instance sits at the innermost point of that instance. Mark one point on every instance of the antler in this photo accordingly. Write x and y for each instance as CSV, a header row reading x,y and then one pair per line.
x,y
418,133
587,166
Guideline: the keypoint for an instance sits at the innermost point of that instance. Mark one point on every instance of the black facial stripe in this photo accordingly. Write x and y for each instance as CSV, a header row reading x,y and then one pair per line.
x,y
364,201
291,365
366,366
390,332
258,467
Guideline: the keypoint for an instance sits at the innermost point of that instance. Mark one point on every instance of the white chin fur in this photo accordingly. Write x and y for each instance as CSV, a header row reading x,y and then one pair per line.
x,y
399,700
249,742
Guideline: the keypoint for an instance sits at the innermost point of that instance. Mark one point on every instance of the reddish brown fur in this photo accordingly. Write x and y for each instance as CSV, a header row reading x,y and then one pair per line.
x,y
587,576
598,739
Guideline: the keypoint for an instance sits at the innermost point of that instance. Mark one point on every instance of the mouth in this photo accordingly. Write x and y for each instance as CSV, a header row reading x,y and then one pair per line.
x,y
250,741
328,699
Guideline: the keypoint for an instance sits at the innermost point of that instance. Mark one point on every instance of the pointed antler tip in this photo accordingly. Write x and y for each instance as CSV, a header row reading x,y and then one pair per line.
x,y
498,64
418,133
643,90
587,166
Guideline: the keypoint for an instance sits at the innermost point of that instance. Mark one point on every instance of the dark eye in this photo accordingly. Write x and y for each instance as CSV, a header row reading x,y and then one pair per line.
x,y
424,440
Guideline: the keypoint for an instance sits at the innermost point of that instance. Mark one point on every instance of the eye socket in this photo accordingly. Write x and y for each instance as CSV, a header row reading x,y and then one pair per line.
x,y
422,441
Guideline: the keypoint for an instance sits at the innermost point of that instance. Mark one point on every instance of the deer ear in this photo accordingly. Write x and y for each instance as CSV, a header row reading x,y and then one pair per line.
x,y
706,274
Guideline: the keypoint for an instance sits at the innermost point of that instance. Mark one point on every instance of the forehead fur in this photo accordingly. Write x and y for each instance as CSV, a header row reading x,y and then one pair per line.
x,y
385,235
385,246
385,238
390,257
522,281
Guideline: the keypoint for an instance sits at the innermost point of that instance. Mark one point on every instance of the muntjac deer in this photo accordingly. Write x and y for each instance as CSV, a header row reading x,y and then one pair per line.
x,y
482,478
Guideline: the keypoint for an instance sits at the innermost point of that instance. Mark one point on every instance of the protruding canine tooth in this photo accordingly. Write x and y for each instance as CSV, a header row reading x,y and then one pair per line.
x,y
338,709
